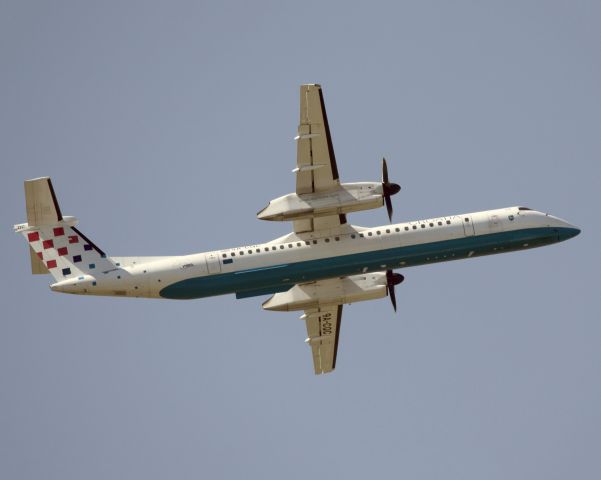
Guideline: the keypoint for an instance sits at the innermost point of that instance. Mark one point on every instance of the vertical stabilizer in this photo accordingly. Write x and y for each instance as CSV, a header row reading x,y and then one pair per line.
x,y
56,245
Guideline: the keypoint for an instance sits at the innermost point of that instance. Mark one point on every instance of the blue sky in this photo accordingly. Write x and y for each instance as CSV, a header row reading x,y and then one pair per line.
x,y
167,125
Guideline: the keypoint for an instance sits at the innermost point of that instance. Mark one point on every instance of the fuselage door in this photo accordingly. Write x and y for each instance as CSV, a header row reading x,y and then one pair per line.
x,y
468,226
213,264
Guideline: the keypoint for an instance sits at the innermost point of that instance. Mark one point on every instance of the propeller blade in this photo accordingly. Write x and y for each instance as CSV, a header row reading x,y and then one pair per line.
x,y
393,279
384,171
388,206
392,297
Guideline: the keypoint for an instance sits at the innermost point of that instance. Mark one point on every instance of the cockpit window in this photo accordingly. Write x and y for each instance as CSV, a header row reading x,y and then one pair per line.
x,y
524,208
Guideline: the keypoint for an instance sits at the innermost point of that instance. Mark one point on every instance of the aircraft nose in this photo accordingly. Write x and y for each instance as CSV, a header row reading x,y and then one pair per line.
x,y
570,232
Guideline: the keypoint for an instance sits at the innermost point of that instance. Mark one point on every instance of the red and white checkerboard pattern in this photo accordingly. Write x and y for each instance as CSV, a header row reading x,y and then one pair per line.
x,y
65,252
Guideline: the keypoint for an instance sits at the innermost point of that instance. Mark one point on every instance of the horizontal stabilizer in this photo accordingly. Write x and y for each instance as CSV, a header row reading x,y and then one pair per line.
x,y
40,201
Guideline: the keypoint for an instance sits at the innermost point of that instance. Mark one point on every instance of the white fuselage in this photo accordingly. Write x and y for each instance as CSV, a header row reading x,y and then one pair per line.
x,y
279,264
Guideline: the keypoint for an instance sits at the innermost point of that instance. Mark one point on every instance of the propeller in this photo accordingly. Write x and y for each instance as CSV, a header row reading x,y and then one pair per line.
x,y
388,189
393,279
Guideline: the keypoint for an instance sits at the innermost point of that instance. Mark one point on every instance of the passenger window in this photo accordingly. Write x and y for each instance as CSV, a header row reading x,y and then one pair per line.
x,y
289,245
378,232
223,255
241,253
307,243
274,248
233,254
314,242
439,223
406,229
267,249
467,219
397,229
361,235
431,224
327,240
448,222
337,239
369,234
298,244
387,230
281,247
258,250
353,236
414,227
423,225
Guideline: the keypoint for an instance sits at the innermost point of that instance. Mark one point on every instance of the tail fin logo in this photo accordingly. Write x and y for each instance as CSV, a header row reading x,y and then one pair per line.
x,y
65,251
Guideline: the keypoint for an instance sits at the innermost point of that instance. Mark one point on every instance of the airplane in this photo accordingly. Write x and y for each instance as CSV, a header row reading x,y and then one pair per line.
x,y
323,264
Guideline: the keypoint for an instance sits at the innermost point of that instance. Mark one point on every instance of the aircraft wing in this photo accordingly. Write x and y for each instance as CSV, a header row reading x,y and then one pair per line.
x,y
316,169
323,329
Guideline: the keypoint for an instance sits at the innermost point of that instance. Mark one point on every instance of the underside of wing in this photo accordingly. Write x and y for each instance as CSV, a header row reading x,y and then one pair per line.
x,y
323,329
322,302
316,169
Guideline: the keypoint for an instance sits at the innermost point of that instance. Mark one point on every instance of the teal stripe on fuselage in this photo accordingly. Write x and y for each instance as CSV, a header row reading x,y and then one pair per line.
x,y
275,277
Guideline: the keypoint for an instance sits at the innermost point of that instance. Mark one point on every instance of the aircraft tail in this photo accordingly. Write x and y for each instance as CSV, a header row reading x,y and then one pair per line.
x,y
56,246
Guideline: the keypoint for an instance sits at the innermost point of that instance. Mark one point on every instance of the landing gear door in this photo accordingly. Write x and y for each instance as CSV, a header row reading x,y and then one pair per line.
x,y
468,226
213,264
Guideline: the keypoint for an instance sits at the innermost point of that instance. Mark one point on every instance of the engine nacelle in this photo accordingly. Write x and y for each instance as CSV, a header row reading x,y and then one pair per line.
x,y
350,197
335,291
